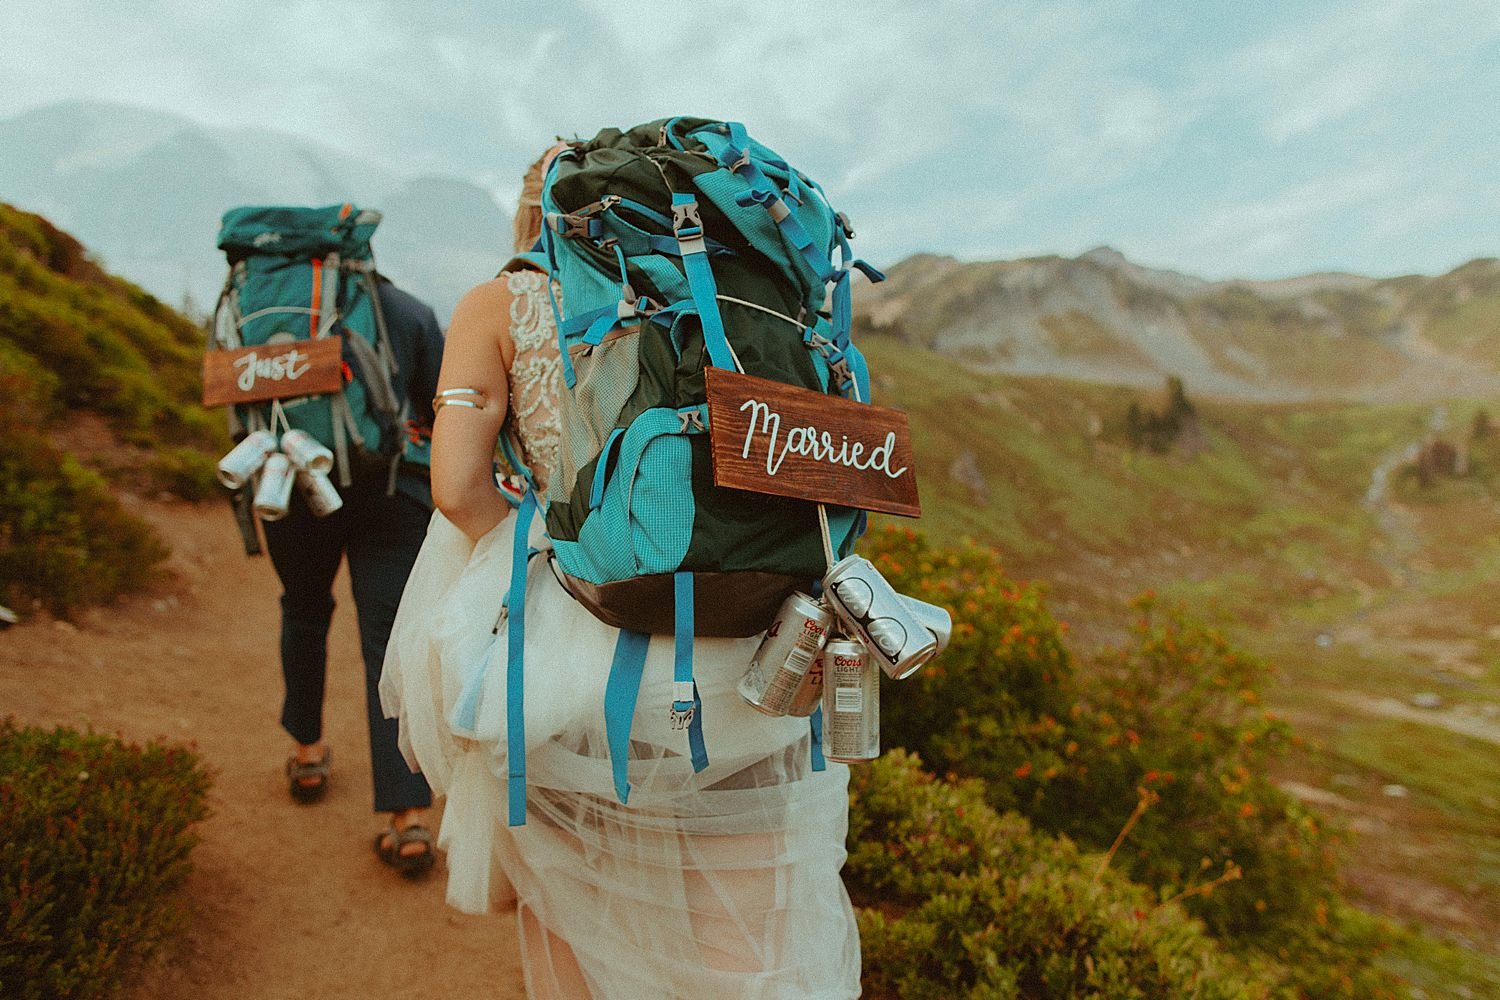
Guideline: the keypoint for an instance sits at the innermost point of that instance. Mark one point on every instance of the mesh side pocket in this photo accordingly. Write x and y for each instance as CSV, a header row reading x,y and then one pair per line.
x,y
607,377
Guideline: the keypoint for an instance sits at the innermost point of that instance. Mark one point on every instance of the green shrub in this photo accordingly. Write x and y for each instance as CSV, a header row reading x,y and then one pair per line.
x,y
109,347
64,539
96,836
184,472
75,340
1176,711
957,902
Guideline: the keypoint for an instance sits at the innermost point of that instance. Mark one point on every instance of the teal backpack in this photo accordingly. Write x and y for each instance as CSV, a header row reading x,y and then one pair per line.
x,y
308,273
672,247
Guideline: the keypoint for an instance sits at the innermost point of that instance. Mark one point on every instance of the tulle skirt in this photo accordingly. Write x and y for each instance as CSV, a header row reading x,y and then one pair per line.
x,y
721,884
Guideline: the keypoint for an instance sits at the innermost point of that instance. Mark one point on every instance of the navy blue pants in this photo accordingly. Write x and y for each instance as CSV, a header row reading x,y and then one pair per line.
x,y
380,535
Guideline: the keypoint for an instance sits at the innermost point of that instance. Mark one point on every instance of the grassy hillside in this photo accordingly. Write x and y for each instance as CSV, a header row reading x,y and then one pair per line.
x,y
1376,606
98,383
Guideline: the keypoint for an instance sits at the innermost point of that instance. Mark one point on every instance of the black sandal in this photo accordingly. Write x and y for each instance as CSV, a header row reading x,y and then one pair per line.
x,y
298,773
388,844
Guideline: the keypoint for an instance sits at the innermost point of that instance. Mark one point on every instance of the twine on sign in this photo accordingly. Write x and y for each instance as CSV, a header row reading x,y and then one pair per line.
x,y
827,535
279,414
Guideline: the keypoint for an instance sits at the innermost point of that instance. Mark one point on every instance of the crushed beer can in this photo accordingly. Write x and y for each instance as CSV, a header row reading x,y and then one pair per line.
x,y
933,618
897,639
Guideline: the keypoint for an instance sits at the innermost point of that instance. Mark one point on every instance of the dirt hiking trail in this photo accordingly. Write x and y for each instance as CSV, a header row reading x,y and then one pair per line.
x,y
285,902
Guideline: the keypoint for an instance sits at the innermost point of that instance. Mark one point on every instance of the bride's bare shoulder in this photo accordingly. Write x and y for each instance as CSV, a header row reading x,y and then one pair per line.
x,y
483,315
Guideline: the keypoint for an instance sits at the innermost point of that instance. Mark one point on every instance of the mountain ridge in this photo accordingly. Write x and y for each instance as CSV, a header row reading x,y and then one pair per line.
x,y
1100,317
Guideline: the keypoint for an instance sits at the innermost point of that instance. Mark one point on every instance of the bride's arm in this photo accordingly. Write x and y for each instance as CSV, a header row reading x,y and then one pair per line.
x,y
477,357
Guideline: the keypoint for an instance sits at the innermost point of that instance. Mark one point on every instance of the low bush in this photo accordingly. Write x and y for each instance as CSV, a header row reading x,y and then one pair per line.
x,y
958,902
1175,710
97,834
65,541
73,341
186,473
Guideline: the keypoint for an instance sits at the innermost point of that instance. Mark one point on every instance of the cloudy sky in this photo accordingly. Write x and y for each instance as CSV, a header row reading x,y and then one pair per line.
x,y
1247,139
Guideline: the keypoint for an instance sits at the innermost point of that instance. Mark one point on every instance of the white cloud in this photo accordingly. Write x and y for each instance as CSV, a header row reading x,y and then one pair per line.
x,y
963,125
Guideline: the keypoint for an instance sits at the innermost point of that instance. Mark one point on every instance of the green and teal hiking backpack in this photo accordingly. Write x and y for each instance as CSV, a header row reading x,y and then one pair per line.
x,y
672,247
305,274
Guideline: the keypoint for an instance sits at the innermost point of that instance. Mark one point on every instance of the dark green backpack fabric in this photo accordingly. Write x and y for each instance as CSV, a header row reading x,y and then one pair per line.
x,y
634,501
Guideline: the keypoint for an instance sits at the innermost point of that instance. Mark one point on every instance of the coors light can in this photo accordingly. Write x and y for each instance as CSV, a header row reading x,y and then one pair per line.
x,y
779,670
873,610
236,468
306,451
851,703
810,692
319,492
274,493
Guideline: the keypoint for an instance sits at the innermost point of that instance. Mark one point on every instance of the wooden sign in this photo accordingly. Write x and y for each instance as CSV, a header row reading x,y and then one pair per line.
x,y
775,438
272,371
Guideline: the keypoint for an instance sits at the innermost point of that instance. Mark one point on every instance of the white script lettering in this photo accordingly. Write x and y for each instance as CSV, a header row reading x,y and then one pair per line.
x,y
813,443
286,367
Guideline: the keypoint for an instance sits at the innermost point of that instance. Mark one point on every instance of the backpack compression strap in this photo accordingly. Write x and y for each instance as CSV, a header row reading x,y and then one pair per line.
x,y
624,688
688,226
687,707
515,714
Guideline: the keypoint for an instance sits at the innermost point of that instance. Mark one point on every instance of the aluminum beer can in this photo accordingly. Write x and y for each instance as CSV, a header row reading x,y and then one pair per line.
x,y
872,609
781,662
809,694
933,618
274,494
236,468
306,452
319,492
851,702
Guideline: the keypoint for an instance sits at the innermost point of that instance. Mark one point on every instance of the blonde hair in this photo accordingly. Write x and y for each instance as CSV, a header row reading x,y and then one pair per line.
x,y
528,219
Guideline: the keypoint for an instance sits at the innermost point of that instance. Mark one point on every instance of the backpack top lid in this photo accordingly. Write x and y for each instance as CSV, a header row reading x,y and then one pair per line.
x,y
286,231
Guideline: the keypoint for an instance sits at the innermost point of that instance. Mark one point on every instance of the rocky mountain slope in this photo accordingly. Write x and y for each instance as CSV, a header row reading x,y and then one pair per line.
x,y
1101,318
76,163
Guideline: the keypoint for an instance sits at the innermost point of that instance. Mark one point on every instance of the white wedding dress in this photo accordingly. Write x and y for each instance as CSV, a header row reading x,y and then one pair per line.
x,y
713,886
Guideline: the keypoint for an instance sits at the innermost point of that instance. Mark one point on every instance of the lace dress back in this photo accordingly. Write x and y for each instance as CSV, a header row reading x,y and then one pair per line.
x,y
535,375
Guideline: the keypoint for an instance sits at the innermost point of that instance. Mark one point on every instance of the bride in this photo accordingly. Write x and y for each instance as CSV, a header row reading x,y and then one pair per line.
x,y
721,884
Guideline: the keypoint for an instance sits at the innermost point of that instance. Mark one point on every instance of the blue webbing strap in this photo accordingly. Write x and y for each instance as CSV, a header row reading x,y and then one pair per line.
x,y
580,323
557,317
763,193
620,693
688,226
685,701
596,494
815,723
515,713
